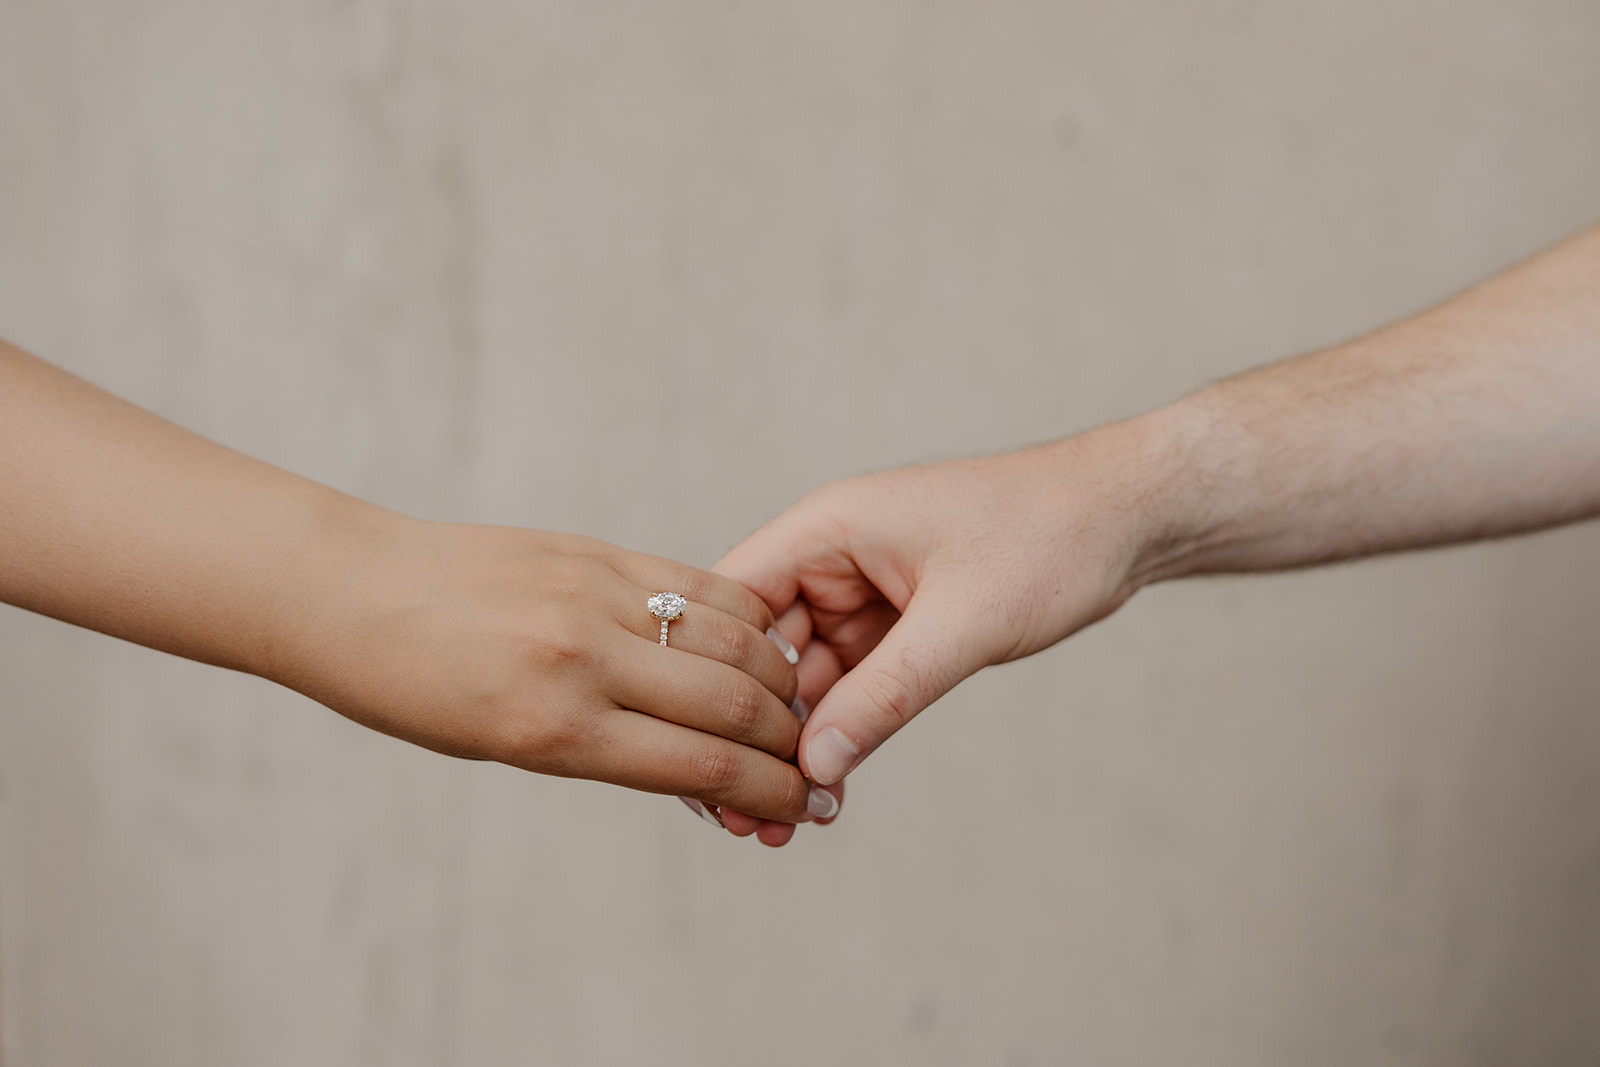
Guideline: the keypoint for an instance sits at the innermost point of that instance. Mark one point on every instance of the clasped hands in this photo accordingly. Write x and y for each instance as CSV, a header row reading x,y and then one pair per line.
x,y
536,649
1473,419
1470,420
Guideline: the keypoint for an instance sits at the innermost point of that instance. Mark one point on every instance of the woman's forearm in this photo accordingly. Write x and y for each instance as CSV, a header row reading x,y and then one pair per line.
x,y
1477,418
117,520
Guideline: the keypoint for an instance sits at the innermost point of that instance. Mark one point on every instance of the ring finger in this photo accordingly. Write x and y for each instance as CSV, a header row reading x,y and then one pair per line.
x,y
708,632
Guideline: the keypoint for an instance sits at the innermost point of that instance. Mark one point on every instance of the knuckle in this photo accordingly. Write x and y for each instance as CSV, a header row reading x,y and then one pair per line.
x,y
889,699
714,771
744,709
741,603
753,609
696,585
546,743
556,650
733,645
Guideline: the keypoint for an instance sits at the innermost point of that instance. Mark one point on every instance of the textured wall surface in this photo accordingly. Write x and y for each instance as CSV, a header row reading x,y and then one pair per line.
x,y
650,271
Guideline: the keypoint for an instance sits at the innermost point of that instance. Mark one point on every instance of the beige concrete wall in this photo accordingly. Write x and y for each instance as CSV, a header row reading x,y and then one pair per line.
x,y
650,271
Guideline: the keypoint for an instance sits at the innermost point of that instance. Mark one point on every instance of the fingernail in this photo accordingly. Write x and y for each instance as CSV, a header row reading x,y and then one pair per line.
x,y
705,811
783,646
830,756
821,803
801,711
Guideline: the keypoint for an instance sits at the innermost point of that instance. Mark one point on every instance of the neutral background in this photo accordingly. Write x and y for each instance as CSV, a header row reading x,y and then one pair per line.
x,y
650,271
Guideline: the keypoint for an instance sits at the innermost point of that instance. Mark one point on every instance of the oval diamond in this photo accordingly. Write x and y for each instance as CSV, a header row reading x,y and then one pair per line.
x,y
667,605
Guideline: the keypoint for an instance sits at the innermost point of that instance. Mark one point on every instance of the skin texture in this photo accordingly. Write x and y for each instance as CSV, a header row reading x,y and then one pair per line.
x,y
1478,418
530,648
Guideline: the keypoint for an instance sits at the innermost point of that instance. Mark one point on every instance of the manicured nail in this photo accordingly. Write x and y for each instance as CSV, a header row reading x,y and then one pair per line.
x,y
800,710
821,803
830,756
783,646
705,811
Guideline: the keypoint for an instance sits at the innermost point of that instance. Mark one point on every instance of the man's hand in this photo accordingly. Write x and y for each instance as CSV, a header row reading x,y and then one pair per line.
x,y
896,586
1473,419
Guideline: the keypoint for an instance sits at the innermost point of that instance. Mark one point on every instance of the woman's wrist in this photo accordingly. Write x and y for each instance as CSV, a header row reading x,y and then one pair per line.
x,y
328,578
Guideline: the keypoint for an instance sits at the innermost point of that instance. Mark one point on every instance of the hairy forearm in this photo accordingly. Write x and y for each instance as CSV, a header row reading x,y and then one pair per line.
x,y
117,520
1477,418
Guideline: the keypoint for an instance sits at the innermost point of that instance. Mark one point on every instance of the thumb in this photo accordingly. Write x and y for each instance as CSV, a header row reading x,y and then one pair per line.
x,y
922,657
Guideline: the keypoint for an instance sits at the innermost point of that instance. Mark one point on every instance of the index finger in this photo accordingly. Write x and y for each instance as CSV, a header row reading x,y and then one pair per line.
x,y
764,563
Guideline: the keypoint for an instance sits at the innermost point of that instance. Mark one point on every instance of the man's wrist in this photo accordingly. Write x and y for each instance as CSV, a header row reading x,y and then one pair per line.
x,y
1160,479
1190,476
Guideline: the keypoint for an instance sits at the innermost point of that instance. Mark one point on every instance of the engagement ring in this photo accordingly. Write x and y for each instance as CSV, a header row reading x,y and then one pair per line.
x,y
666,607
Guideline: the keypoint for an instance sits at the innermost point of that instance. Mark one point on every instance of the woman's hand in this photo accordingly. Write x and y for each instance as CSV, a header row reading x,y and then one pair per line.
x,y
537,650
529,648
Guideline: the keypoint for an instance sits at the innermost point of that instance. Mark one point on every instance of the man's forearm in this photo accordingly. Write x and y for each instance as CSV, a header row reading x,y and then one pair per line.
x,y
1478,418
